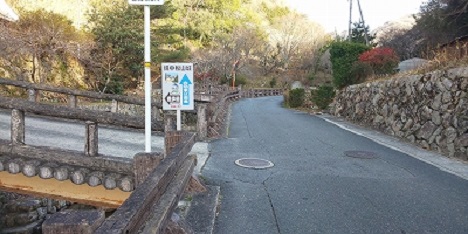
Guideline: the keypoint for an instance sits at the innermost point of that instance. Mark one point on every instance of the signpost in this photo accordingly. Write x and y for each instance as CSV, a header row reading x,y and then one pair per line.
x,y
177,88
146,4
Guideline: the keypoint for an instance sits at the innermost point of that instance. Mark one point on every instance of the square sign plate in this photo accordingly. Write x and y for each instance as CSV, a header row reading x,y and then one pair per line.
x,y
146,2
177,86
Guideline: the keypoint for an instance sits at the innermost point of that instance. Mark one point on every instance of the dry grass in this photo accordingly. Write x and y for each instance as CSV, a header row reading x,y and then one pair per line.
x,y
443,60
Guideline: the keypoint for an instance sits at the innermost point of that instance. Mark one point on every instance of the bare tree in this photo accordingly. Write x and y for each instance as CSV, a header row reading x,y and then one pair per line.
x,y
239,47
294,40
36,44
405,42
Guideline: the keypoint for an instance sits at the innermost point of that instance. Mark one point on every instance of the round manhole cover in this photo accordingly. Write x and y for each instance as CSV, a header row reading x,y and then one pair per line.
x,y
255,163
360,154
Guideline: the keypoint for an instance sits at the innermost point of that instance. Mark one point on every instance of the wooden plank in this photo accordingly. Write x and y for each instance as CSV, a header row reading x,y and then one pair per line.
x,y
71,113
73,221
132,214
162,210
64,190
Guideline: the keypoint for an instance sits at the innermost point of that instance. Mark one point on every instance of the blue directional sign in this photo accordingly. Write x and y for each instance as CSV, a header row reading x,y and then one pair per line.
x,y
177,86
185,82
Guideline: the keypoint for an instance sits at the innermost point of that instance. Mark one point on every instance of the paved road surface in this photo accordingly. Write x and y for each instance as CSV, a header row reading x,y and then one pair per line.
x,y
314,188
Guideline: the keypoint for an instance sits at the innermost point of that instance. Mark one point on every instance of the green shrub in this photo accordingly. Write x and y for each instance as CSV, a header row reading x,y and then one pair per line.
x,y
273,82
240,80
343,55
323,96
360,71
286,98
114,85
296,98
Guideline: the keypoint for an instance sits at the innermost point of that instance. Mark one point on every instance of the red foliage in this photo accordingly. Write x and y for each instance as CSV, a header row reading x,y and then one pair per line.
x,y
380,55
381,59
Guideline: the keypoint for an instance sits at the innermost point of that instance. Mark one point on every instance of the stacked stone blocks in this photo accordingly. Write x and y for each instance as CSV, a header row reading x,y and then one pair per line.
x,y
430,110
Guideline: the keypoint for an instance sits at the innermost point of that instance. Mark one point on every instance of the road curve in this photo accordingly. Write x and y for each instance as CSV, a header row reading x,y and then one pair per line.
x,y
315,188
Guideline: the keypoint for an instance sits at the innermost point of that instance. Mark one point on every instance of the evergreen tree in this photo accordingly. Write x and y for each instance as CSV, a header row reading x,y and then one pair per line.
x,y
358,33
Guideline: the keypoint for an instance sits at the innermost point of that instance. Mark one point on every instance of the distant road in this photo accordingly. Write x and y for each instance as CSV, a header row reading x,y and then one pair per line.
x,y
315,188
70,135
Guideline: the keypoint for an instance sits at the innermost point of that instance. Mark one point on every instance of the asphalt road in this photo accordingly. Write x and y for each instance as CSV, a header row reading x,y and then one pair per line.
x,y
315,188
70,135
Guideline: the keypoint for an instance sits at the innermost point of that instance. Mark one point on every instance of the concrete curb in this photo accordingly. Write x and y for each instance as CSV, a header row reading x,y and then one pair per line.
x,y
450,165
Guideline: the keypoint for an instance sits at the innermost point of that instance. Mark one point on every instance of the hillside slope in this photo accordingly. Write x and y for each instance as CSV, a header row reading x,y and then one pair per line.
x,y
75,10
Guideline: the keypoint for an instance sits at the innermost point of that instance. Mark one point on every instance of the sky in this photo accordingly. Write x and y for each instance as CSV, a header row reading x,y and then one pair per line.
x,y
334,14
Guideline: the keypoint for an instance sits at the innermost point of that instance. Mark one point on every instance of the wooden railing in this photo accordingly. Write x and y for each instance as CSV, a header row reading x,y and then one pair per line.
x,y
150,206
159,178
34,94
79,167
156,179
92,118
218,112
152,203
252,93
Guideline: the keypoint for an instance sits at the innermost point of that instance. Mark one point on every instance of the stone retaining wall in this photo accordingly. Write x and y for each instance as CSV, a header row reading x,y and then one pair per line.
x,y
25,214
430,110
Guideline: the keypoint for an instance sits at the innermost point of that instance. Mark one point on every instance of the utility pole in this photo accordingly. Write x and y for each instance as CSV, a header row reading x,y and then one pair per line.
x,y
363,22
350,19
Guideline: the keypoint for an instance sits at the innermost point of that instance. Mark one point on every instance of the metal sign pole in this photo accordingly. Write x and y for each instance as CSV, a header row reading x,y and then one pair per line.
x,y
179,122
147,81
148,89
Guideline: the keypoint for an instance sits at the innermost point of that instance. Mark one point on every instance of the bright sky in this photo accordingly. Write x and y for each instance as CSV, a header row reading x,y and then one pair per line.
x,y
334,14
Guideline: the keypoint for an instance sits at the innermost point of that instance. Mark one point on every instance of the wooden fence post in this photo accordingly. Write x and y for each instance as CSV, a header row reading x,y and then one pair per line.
x,y
202,124
17,127
144,164
91,139
156,113
171,139
72,100
170,122
114,106
34,95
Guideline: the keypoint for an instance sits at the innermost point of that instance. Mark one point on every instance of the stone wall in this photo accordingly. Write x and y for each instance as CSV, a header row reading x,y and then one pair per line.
x,y
430,110
25,214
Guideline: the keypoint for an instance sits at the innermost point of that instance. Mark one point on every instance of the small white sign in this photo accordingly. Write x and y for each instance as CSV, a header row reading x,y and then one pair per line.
x,y
146,2
177,86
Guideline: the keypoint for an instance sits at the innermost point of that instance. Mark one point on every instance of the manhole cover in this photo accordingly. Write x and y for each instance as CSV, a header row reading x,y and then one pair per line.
x,y
255,163
360,154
